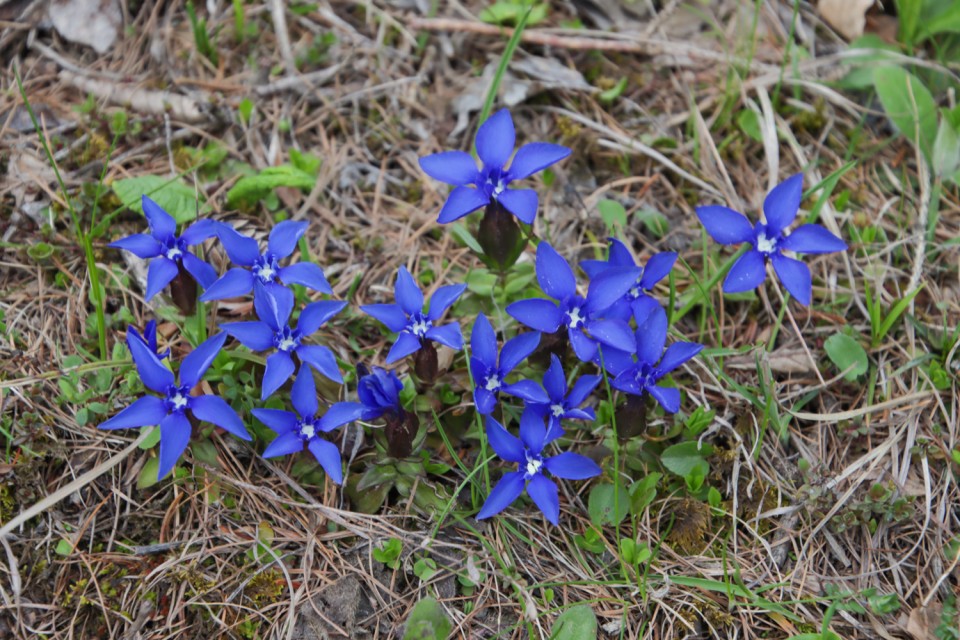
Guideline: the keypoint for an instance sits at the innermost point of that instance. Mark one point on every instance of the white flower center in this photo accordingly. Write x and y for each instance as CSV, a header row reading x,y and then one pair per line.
x,y
765,244
266,272
173,253
497,190
178,401
575,318
492,383
419,328
287,344
557,410
533,466
307,430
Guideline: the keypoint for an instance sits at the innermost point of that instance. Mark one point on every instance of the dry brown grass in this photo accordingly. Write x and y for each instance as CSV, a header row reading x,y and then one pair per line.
x,y
171,561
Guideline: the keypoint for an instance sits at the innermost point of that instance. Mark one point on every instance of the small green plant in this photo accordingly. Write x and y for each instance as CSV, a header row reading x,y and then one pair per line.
x,y
389,553
201,36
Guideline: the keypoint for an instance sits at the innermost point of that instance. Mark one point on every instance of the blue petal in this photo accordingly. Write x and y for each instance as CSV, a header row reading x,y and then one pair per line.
x,y
627,382
496,139
406,344
452,167
795,276
154,375
340,414
522,203
593,268
407,293
554,274
273,303
583,387
571,466
517,349
554,382
233,284
283,445
483,342
536,313
448,335
256,336
725,225
306,274
503,443
676,354
612,333
390,315
279,369
651,336
144,412
139,244
609,286
782,203
199,360
201,230
321,359
215,410
502,495
303,396
812,238
642,307
658,267
532,431
442,298
159,274
162,224
484,400
202,272
283,238
241,249
583,346
174,436
616,361
620,256
328,456
668,397
277,419
746,273
315,314
554,429
534,157
526,390
460,202
544,493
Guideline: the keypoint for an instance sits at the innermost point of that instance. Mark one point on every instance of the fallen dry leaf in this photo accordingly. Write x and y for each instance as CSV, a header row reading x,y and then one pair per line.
x,y
848,17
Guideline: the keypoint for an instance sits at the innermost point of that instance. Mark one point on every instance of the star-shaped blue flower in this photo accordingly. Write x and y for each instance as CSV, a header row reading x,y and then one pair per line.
x,y
582,317
564,406
379,393
170,410
474,189
169,250
300,430
489,375
274,305
411,322
638,372
637,300
527,452
769,240
265,268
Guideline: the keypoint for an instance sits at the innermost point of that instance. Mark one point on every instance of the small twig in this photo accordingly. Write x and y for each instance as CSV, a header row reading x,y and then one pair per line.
x,y
277,13
142,100
302,83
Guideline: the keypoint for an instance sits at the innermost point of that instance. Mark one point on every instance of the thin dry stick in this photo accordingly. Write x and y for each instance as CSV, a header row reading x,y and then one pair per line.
x,y
278,15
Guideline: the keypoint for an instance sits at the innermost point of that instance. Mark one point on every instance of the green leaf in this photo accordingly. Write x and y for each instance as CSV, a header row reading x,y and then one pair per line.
x,y
305,162
481,282
576,623
608,506
614,92
946,149
861,76
613,215
148,474
643,492
505,12
749,122
655,222
460,232
909,106
946,21
686,459
40,251
64,547
204,451
173,196
151,440
251,189
908,12
845,352
389,553
427,621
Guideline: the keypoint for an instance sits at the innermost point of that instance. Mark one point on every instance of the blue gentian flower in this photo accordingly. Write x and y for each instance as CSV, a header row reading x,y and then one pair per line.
x,y
149,339
379,393
170,410
264,268
495,141
582,317
637,300
169,250
637,373
563,406
274,305
489,376
408,319
769,240
527,452
298,431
